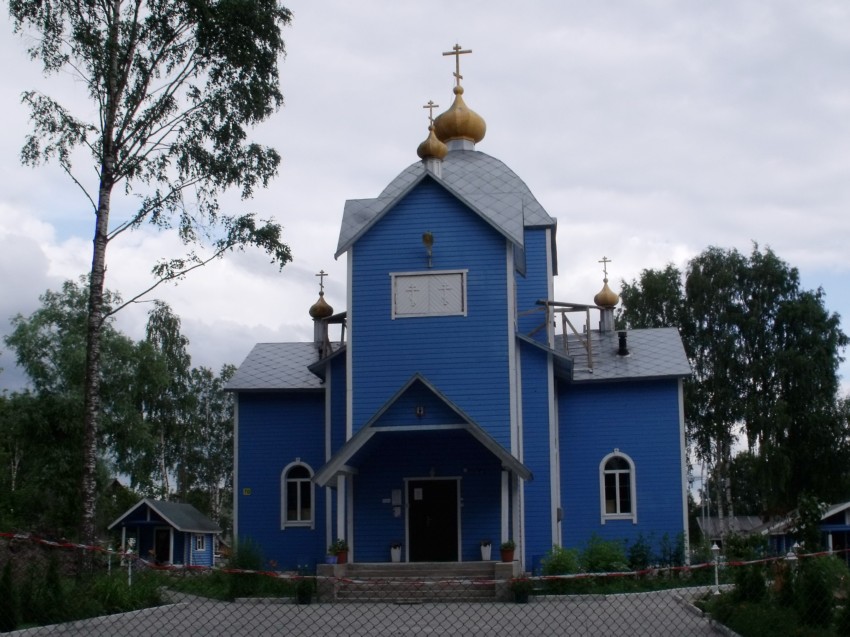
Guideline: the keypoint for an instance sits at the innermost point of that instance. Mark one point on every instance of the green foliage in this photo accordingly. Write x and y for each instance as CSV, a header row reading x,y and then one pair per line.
x,y
670,552
561,561
818,581
173,88
744,547
807,522
8,600
603,556
640,553
764,353
246,556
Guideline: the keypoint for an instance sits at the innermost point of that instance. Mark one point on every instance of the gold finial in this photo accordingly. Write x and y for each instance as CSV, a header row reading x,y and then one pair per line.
x,y
457,51
431,106
606,297
320,309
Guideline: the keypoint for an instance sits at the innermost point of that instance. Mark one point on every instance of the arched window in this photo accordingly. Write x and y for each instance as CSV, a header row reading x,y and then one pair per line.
x,y
297,495
617,487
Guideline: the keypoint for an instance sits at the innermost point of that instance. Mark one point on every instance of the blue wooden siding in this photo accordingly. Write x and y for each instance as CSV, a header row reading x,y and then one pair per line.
x,y
274,430
200,558
641,419
534,286
465,357
390,458
536,451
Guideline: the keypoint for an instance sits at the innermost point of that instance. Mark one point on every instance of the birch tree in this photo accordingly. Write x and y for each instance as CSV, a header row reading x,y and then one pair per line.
x,y
174,85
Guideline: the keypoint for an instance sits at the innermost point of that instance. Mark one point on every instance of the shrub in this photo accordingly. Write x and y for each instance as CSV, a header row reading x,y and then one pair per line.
x,y
818,579
640,553
246,556
8,606
603,556
560,561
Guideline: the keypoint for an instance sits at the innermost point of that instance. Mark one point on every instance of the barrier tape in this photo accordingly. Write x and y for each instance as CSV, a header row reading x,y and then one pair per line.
x,y
64,544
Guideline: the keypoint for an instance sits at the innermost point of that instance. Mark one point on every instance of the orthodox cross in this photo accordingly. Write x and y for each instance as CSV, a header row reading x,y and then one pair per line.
x,y
431,106
322,274
457,52
605,261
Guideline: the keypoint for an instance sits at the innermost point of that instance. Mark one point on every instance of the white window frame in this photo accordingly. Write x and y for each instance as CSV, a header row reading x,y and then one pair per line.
x,y
632,515
200,543
397,278
284,483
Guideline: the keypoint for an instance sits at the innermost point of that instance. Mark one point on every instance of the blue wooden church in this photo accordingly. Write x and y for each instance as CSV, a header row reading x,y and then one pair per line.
x,y
455,400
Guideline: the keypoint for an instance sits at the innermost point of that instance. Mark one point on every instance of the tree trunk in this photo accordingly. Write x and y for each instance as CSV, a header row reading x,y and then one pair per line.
x,y
92,385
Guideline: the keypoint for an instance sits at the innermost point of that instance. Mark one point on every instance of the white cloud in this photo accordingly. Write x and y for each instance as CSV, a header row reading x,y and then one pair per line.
x,y
650,129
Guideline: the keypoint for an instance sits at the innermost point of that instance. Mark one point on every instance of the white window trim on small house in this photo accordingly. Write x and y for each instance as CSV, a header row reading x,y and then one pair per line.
x,y
429,293
618,473
200,543
308,520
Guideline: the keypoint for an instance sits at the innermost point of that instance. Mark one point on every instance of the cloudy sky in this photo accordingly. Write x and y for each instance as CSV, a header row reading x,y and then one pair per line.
x,y
649,129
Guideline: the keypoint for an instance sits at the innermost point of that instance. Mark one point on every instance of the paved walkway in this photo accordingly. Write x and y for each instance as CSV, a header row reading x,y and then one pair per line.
x,y
657,614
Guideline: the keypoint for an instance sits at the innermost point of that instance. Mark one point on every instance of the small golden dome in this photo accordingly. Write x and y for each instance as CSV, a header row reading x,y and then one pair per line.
x,y
606,297
320,309
432,147
460,121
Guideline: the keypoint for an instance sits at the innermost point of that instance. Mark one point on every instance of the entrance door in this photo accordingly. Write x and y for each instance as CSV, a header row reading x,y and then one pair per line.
x,y
162,545
432,520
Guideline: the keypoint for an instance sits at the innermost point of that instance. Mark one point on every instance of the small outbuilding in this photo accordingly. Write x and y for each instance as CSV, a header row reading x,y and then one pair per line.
x,y
169,533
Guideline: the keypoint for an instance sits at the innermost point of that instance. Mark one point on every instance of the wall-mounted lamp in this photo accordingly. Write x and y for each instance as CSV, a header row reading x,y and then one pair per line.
x,y
428,241
420,411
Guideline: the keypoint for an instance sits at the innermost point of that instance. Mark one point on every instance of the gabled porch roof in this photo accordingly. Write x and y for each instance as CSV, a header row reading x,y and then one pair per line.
x,y
339,461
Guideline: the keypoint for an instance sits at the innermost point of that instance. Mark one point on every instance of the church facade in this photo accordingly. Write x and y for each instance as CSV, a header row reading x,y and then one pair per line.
x,y
455,400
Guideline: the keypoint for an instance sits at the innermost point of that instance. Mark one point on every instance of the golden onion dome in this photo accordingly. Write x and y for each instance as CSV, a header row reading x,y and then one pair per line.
x,y
432,147
606,297
460,121
320,309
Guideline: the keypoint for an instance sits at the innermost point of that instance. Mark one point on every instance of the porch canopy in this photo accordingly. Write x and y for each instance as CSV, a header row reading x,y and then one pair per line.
x,y
393,420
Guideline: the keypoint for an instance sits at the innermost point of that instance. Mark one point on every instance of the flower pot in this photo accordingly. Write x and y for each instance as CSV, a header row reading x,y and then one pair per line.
x,y
342,557
485,552
507,555
330,559
395,553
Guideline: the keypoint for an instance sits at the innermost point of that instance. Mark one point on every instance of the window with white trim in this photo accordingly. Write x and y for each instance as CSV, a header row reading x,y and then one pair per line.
x,y
200,542
617,487
437,293
297,495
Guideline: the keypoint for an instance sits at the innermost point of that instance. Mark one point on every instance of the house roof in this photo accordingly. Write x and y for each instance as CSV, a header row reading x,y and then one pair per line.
x,y
653,353
277,366
482,182
714,527
183,517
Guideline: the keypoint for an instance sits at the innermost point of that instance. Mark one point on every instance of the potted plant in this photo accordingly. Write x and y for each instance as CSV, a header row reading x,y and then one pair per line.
x,y
486,547
395,551
507,549
339,547
521,587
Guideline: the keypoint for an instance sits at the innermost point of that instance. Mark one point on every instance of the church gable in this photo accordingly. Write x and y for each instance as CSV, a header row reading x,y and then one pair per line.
x,y
419,405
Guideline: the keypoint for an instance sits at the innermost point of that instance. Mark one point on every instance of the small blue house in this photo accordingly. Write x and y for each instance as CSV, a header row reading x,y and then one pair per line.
x,y
455,399
169,533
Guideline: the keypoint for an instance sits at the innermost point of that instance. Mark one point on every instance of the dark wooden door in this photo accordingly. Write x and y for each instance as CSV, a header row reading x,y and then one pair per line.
x,y
432,520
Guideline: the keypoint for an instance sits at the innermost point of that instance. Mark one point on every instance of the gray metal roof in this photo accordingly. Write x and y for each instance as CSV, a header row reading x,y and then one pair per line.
x,y
482,182
653,353
277,366
183,517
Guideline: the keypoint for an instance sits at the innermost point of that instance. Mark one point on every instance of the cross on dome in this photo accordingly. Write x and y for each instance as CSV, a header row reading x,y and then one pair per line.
x,y
457,51
322,274
431,106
